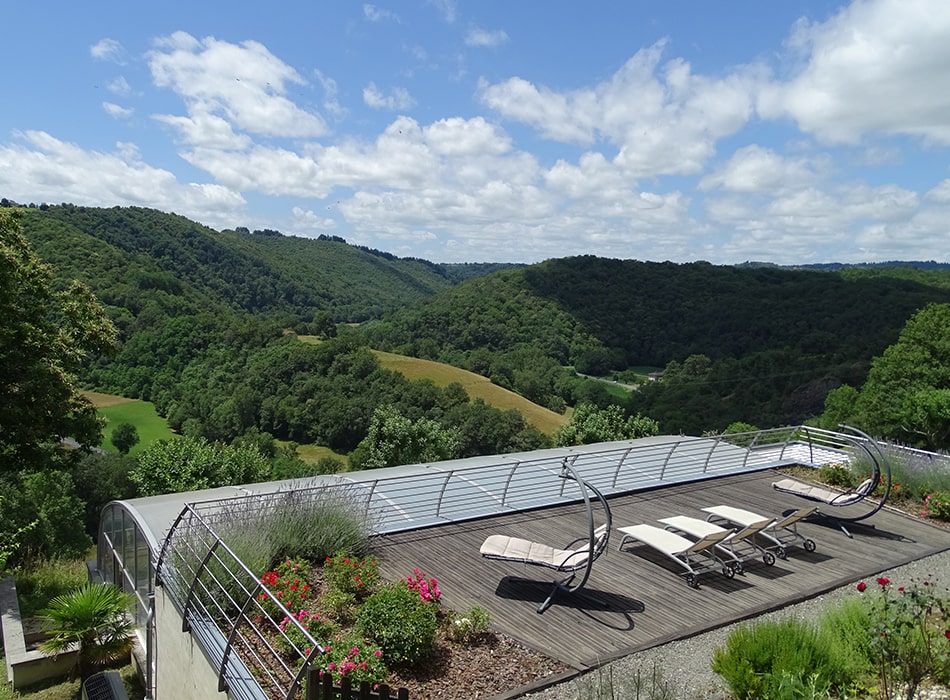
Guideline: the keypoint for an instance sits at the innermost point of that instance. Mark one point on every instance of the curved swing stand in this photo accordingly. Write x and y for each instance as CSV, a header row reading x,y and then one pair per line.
x,y
880,475
576,559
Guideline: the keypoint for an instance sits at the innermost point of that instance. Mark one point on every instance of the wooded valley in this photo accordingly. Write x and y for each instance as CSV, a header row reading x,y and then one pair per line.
x,y
208,327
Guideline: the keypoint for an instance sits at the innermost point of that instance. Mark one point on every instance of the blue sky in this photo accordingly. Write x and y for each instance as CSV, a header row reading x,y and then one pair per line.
x,y
498,131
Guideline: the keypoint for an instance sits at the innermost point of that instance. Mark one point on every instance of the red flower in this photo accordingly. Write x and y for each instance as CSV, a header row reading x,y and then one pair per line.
x,y
946,633
862,587
881,581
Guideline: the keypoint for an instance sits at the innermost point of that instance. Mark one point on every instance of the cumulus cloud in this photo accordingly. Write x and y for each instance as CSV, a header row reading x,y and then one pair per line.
x,y
755,169
875,67
116,111
107,50
119,86
396,100
44,168
483,37
243,83
662,119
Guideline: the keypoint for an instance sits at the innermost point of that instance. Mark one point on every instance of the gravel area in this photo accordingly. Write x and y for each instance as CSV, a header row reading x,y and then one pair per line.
x,y
683,666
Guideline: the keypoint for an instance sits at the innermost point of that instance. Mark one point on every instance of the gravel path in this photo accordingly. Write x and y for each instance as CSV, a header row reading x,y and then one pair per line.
x,y
683,666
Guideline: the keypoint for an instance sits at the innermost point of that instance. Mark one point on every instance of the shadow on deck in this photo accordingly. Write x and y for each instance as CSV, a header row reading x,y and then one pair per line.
x,y
647,600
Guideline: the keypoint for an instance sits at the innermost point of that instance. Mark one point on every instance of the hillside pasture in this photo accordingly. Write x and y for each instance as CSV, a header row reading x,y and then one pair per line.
x,y
477,387
117,409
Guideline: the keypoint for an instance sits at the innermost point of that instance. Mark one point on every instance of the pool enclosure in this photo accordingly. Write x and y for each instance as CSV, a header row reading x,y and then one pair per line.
x,y
198,604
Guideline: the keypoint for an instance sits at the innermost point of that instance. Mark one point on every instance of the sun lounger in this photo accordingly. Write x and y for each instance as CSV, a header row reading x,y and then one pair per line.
x,y
738,547
782,532
695,557
568,561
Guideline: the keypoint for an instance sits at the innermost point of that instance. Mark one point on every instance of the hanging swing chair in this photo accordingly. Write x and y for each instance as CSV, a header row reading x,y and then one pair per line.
x,y
575,559
857,504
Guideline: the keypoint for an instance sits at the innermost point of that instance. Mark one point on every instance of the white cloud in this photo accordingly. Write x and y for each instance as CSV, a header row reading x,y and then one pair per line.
x,y
878,66
398,99
119,86
242,83
483,37
375,13
447,8
47,169
311,223
107,50
206,130
761,170
662,120
116,111
331,101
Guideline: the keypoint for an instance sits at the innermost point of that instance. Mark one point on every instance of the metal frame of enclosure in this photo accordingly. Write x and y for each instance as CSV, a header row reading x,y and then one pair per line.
x,y
217,595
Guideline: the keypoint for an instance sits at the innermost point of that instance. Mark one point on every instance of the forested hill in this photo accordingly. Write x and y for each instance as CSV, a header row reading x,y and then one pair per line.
x,y
758,345
132,256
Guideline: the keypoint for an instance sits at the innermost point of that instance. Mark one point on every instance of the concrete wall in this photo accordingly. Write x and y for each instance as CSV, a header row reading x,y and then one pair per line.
x,y
25,666
182,671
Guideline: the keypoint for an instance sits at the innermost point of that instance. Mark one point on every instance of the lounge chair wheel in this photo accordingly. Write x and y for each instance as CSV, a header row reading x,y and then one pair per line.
x,y
809,545
692,581
728,571
768,558
781,553
738,567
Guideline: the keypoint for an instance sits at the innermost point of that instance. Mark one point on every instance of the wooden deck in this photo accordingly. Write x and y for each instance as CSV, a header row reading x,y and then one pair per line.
x,y
648,601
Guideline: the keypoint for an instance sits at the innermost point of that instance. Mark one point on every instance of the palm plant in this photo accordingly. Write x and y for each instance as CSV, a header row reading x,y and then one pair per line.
x,y
92,619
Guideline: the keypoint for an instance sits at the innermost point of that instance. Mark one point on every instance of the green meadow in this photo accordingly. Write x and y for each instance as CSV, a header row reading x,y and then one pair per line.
x,y
116,410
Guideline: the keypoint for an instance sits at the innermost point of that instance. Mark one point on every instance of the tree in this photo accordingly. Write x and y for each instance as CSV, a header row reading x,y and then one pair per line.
x,y
191,464
94,619
45,337
125,437
907,393
590,424
393,439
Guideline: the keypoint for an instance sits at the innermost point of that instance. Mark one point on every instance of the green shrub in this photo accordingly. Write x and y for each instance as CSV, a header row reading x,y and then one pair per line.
x,y
352,575
350,656
320,627
39,583
850,626
758,661
838,475
400,621
318,523
466,628
937,505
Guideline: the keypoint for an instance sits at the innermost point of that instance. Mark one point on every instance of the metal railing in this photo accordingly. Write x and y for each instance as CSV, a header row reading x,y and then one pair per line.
x,y
218,595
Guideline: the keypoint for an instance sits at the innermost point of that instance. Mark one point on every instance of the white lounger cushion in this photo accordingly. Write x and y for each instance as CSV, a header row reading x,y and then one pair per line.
x,y
818,493
529,552
735,515
669,542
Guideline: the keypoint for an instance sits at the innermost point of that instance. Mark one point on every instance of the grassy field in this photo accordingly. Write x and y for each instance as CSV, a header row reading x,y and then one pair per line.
x,y
477,386
117,409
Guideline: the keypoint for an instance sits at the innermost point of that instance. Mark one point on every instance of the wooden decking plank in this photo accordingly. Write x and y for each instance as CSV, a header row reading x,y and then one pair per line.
x,y
649,601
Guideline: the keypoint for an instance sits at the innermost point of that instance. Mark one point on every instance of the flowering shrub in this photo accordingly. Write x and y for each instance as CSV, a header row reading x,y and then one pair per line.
x,y
356,577
289,582
937,505
910,635
837,475
320,627
466,628
349,656
428,588
401,621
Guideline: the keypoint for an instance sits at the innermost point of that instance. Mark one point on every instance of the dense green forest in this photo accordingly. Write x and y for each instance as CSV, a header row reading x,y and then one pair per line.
x,y
202,312
206,326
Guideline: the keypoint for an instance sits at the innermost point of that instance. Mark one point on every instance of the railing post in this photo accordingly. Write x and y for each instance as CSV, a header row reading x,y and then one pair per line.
x,y
620,462
445,484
